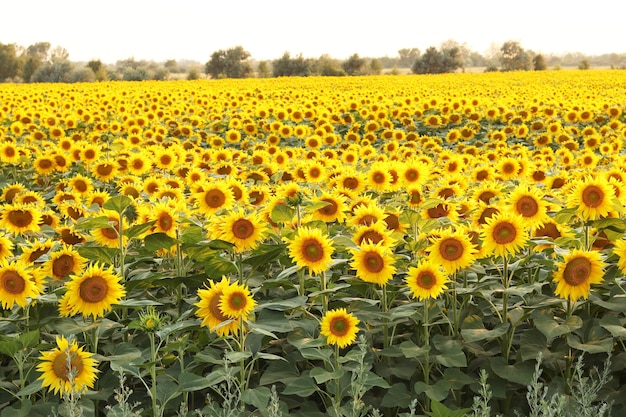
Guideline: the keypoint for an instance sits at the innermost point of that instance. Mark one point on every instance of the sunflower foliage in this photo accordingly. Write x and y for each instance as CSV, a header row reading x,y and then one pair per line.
x,y
393,246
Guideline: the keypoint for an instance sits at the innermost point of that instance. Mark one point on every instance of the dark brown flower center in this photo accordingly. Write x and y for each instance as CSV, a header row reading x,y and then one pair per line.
x,y
242,228
451,249
13,283
504,232
593,196
330,209
392,221
548,230
438,211
373,262
312,250
60,366
371,236
368,220
63,265
351,183
214,198
527,206
577,271
20,218
426,280
486,214
165,221
237,301
93,289
214,306
339,326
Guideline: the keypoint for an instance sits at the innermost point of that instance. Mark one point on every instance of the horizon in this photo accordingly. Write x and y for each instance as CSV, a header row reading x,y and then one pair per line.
x,y
160,30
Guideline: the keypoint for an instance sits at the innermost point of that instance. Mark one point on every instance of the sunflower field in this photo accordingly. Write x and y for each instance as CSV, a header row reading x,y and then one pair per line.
x,y
447,245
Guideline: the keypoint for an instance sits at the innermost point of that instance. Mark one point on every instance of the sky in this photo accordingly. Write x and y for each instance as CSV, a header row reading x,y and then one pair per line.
x,y
158,30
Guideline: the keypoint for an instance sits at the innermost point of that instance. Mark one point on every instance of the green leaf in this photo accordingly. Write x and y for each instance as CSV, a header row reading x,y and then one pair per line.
x,y
23,411
138,303
410,350
218,266
156,241
282,305
614,326
90,223
261,330
373,380
473,330
616,303
259,397
440,410
264,254
118,203
191,234
452,354
565,216
287,272
98,253
303,386
138,230
316,354
124,353
188,382
520,372
397,396
591,345
9,347
29,339
282,214
546,324
321,375
457,378
235,357
438,391
30,389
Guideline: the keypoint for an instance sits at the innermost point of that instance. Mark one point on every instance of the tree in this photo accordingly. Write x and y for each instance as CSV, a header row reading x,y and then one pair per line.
x,y
408,57
514,58
263,70
438,62
286,66
329,67
53,72
376,67
584,64
172,66
230,63
9,61
539,63
353,65
59,54
36,55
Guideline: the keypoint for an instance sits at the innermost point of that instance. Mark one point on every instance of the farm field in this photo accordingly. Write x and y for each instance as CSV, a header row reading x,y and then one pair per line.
x,y
442,245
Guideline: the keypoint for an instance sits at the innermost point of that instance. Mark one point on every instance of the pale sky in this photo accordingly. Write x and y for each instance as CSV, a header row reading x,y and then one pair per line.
x,y
158,30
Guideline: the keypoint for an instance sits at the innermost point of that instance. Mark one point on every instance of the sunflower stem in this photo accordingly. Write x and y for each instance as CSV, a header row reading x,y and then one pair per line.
x,y
153,388
301,280
337,400
385,307
324,295
240,267
505,284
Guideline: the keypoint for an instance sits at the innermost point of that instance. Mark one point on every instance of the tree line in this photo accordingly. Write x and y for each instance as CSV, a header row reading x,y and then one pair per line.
x,y
42,63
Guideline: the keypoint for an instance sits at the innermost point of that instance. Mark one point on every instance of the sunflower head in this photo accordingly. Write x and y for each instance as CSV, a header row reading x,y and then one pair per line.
x,y
577,272
426,280
339,327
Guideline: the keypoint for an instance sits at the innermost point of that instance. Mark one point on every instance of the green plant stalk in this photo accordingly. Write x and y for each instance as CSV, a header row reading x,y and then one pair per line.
x,y
505,284
385,307
242,363
426,343
240,267
120,236
301,280
153,387
323,285
337,400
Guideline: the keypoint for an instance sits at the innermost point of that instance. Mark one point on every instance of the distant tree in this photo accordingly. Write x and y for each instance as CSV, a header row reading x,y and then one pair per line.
x,y
9,62
98,69
328,67
434,61
35,56
172,66
464,54
53,72
407,57
230,63
193,74
539,63
161,74
584,64
376,67
263,70
286,66
353,65
59,54
82,75
514,58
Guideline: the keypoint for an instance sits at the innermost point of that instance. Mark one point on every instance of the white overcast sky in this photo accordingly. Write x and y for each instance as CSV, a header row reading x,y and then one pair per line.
x,y
157,30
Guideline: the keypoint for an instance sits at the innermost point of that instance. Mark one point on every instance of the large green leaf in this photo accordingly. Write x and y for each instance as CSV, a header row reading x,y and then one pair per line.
x,y
259,397
452,354
157,241
138,230
303,386
520,372
551,328
440,410
118,203
437,391
321,375
397,396
188,382
473,330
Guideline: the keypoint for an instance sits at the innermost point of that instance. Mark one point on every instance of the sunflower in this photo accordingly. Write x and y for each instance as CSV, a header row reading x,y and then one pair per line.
x,y
426,280
243,230
67,368
414,173
64,262
20,218
366,215
80,185
34,250
17,284
577,272
10,191
452,251
339,327
507,168
504,234
620,250
309,248
214,196
44,165
209,310
334,210
94,292
236,302
110,236
529,203
373,263
6,247
593,198
374,233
